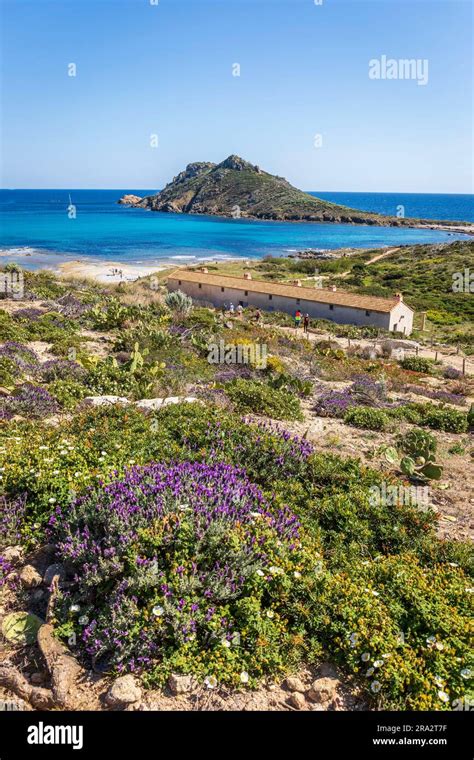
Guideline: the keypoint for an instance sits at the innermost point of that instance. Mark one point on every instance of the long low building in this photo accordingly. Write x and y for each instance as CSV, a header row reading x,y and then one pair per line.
x,y
320,303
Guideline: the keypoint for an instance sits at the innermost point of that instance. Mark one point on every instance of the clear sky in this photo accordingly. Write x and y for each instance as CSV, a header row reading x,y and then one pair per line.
x,y
167,70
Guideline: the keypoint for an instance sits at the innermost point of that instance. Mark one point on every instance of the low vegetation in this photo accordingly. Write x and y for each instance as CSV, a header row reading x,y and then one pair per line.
x,y
216,537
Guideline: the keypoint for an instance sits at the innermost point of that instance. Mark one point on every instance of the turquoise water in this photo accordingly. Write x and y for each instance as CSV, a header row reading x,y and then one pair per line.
x,y
36,222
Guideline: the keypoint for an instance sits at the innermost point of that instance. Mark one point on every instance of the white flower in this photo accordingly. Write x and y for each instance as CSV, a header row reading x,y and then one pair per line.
x,y
256,514
439,681
297,574
260,573
370,672
211,682
101,459
470,590
375,593
55,472
43,448
157,610
76,474
453,564
466,673
103,453
443,696
63,452
225,643
52,500
431,640
74,608
386,656
270,614
353,639
378,663
439,646
244,677
275,570
375,686
83,620
365,657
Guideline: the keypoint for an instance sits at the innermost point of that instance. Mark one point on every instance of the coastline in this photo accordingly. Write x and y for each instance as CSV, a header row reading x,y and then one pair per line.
x,y
110,272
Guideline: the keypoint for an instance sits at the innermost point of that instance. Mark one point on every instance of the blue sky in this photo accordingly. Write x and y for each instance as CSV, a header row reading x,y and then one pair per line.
x,y
166,69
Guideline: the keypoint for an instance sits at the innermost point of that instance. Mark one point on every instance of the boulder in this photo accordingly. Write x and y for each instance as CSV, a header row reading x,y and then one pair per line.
x,y
52,570
105,400
171,400
180,684
129,199
30,577
297,701
323,690
293,683
149,403
124,691
12,554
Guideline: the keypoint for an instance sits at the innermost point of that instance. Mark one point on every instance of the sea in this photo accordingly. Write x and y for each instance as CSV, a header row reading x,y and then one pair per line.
x,y
38,230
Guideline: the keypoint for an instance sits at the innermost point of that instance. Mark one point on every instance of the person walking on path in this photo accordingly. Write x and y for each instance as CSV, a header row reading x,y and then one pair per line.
x,y
258,316
306,323
297,318
240,311
231,308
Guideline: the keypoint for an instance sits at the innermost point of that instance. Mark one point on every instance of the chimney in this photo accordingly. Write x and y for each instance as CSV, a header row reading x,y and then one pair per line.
x,y
297,283
247,276
333,288
399,297
204,270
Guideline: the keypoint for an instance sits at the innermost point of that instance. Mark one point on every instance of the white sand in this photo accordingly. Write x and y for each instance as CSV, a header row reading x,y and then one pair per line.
x,y
107,271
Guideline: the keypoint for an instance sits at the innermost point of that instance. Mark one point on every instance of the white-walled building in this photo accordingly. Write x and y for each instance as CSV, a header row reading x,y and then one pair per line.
x,y
320,303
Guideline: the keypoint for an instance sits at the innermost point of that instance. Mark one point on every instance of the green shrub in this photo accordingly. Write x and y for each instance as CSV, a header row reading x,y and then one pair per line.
x,y
417,364
366,417
68,392
253,396
444,418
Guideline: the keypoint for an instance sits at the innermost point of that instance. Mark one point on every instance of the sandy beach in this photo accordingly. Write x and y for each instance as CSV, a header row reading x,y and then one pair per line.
x,y
107,271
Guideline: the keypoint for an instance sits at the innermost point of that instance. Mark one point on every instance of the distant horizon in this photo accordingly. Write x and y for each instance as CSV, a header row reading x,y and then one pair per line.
x,y
158,190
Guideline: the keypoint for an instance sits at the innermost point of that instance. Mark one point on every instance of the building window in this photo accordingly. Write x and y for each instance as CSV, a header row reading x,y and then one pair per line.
x,y
246,292
367,313
297,301
270,298
200,285
222,290
331,306
179,282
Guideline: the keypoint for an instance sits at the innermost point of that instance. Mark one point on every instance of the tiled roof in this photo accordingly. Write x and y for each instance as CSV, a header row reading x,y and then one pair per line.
x,y
319,295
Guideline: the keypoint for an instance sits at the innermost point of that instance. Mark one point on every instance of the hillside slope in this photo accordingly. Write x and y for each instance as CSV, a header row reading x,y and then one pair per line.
x,y
237,188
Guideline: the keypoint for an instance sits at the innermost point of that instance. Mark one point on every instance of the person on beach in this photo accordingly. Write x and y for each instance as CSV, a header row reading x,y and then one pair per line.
x,y
306,323
297,318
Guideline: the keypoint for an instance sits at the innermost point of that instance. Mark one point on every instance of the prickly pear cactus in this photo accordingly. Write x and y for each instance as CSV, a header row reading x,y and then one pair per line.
x,y
21,627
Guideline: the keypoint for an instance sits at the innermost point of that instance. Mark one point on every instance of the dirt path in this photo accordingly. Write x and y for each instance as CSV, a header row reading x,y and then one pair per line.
x,y
445,354
382,255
